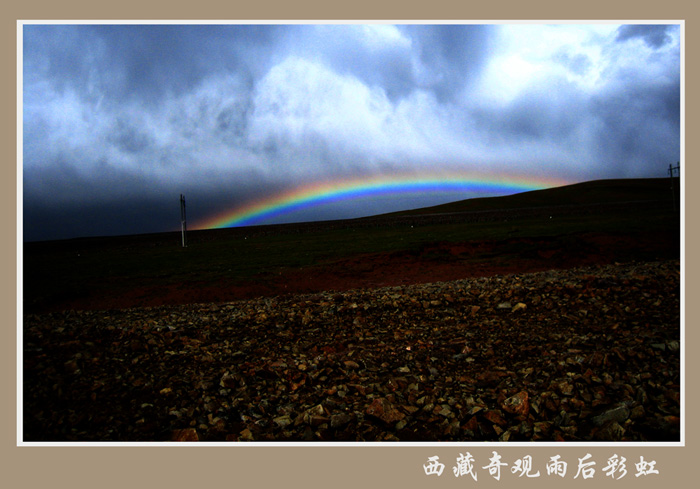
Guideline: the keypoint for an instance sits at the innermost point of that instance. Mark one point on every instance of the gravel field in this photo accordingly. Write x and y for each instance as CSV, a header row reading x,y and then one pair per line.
x,y
590,353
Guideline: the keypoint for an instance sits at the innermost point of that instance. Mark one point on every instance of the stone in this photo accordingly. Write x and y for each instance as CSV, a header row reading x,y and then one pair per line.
x,y
228,381
351,365
518,404
246,435
383,410
617,414
495,418
283,421
187,434
341,419
565,388
611,431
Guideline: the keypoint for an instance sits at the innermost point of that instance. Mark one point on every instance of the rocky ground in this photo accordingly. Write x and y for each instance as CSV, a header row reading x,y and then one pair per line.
x,y
591,353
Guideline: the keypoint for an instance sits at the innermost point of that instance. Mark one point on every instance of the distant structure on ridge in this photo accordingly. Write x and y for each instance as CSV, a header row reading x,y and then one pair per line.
x,y
183,221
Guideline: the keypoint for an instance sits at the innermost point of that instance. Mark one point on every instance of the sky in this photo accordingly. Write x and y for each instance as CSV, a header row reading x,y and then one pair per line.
x,y
119,120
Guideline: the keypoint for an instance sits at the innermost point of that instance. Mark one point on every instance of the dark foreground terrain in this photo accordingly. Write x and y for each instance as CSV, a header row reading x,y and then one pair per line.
x,y
591,353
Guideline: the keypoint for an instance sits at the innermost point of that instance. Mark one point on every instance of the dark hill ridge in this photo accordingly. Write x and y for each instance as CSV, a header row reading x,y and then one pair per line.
x,y
590,223
596,192
591,194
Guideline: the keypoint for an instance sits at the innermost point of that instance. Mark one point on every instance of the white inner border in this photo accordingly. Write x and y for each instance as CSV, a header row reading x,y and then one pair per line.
x,y
20,228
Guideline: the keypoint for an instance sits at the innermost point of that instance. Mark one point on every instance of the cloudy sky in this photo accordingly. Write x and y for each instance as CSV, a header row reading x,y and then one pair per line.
x,y
119,120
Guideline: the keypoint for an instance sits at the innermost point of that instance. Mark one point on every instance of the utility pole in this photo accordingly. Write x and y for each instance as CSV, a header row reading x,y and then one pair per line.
x,y
183,221
671,169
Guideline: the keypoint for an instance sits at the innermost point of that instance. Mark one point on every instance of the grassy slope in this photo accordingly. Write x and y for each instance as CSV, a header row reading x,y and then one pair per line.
x,y
55,271
594,192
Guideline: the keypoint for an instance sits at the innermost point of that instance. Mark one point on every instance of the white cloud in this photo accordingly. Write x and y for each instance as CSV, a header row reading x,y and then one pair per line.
x,y
530,54
301,102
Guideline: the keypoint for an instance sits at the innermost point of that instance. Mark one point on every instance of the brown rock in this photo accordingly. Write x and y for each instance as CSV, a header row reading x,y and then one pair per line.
x,y
228,381
611,431
565,388
283,421
341,419
383,409
246,435
617,414
518,404
495,418
187,434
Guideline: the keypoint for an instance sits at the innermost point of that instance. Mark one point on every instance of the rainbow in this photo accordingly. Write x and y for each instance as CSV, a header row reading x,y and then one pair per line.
x,y
324,193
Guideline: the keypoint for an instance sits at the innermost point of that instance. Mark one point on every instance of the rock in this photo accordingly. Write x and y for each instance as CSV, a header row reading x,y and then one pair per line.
x,y
565,388
383,410
246,435
283,421
445,410
317,421
187,434
495,418
340,420
611,431
228,381
617,414
637,412
517,404
349,364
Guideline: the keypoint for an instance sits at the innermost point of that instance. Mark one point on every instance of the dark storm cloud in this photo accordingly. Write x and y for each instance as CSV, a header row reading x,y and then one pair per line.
x,y
130,116
141,215
146,62
451,55
639,124
655,36
625,131
171,59
544,114
129,137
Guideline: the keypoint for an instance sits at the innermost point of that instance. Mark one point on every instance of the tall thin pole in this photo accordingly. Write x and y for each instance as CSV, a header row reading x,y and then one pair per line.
x,y
183,221
671,169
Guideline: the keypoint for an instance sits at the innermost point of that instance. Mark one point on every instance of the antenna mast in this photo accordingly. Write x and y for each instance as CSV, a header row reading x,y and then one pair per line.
x,y
183,221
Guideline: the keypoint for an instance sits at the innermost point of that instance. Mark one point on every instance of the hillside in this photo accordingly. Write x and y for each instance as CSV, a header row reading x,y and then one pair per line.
x,y
585,193
582,224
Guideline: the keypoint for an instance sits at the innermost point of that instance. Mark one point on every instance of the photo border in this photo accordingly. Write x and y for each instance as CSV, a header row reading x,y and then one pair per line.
x,y
311,465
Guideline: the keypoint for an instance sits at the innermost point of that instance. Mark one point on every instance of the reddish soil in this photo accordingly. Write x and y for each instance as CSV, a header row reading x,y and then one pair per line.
x,y
436,263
